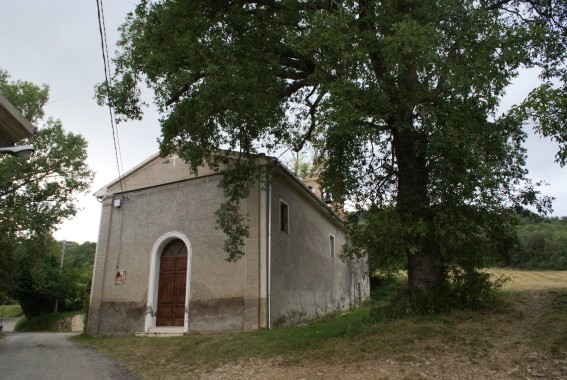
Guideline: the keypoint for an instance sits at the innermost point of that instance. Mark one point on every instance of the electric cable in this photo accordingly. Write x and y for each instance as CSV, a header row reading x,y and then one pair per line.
x,y
104,48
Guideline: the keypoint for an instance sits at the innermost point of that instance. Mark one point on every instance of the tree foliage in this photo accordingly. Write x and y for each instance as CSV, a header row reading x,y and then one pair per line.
x,y
38,193
77,271
26,96
37,277
303,164
399,97
542,244
41,280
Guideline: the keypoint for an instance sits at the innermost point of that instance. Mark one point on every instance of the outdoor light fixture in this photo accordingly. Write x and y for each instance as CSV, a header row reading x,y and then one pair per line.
x,y
22,151
118,202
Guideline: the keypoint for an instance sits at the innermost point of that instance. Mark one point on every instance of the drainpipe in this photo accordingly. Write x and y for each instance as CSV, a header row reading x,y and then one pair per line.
x,y
270,256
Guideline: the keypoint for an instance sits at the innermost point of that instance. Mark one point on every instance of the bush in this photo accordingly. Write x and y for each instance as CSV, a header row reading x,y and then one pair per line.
x,y
464,289
473,289
10,311
384,286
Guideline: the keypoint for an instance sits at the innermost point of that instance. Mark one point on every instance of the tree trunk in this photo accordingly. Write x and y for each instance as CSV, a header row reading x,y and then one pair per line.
x,y
424,269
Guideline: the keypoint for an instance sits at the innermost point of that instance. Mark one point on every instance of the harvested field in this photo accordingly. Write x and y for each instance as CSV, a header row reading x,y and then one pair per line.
x,y
532,280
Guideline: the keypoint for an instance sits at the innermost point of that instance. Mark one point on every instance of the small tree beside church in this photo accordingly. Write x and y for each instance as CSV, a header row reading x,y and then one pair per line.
x,y
39,193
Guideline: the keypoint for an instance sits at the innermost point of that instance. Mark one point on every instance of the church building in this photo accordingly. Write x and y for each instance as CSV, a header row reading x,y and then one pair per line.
x,y
160,267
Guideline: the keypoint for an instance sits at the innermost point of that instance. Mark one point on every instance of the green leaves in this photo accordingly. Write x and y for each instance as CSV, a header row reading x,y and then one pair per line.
x,y
38,193
542,244
39,278
546,108
27,97
399,99
232,219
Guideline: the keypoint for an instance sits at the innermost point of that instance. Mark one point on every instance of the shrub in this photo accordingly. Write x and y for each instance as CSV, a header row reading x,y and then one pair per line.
x,y
464,289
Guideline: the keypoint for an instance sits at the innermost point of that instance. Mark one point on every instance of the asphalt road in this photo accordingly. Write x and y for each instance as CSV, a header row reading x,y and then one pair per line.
x,y
51,356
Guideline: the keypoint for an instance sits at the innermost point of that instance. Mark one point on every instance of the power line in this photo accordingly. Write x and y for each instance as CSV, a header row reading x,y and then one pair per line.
x,y
105,59
110,82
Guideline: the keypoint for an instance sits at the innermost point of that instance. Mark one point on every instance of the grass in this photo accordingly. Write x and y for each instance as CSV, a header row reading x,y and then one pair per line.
x,y
336,340
554,320
314,340
11,311
529,319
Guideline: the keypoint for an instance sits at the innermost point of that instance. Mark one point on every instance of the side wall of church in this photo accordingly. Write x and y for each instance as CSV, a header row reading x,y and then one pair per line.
x,y
308,278
223,295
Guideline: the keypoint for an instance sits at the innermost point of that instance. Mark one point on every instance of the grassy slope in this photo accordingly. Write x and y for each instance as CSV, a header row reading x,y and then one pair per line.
x,y
530,327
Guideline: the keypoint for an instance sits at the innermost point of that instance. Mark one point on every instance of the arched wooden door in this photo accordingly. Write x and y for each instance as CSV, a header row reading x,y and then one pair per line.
x,y
172,284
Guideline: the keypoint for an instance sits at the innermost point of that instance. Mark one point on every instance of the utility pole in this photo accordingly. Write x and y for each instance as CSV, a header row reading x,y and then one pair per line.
x,y
63,244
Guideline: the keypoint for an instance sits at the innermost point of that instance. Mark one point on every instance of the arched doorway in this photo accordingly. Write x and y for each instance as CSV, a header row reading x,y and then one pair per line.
x,y
174,245
172,284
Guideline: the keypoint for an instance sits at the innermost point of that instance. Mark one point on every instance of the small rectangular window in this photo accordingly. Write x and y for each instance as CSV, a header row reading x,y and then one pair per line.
x,y
332,245
284,217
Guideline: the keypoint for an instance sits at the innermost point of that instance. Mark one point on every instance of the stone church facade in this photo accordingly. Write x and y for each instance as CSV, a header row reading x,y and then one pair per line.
x,y
160,266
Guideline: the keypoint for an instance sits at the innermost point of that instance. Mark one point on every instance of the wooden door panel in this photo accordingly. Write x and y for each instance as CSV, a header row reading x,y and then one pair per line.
x,y
166,286
172,285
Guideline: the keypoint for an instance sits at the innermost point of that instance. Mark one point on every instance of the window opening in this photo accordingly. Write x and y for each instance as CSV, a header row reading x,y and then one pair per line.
x,y
284,217
332,245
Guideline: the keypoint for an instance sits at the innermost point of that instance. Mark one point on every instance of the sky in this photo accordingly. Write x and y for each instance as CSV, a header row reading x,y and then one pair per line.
x,y
57,42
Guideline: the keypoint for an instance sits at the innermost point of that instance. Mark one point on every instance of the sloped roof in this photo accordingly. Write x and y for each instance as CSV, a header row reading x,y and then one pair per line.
x,y
149,173
13,126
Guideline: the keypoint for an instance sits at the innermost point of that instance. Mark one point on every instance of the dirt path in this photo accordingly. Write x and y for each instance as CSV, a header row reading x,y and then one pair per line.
x,y
52,356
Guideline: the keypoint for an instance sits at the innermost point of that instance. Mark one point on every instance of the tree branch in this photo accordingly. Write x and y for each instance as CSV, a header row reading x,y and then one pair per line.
x,y
179,93
312,109
496,5
293,87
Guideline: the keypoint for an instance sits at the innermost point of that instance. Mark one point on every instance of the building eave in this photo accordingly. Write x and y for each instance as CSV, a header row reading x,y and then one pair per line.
x,y
13,126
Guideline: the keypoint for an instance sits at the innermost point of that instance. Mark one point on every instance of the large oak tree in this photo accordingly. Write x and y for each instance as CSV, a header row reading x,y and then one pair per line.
x,y
400,97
